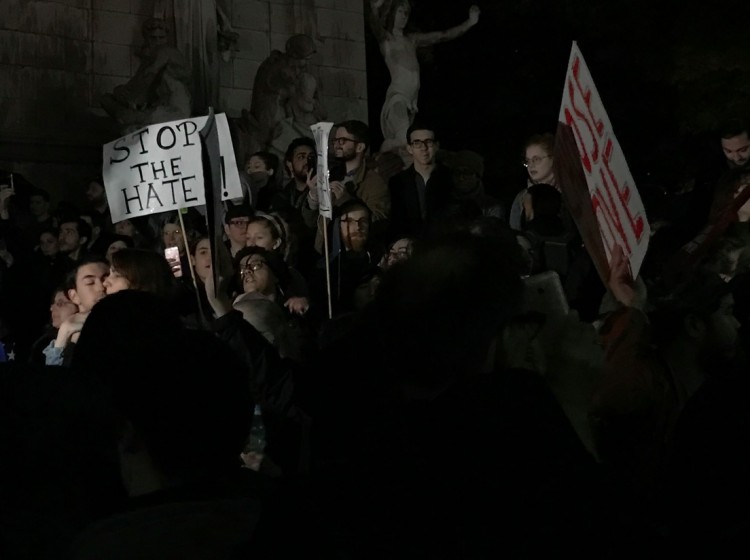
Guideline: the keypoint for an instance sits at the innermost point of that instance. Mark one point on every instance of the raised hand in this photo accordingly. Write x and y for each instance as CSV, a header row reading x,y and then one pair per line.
x,y
337,190
221,303
6,191
621,282
70,329
298,305
474,15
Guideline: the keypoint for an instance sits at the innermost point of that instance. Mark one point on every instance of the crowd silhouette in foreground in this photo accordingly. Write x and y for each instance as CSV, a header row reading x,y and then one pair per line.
x,y
400,374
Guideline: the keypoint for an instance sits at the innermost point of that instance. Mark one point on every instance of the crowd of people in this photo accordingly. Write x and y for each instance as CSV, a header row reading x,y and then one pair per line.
x,y
375,345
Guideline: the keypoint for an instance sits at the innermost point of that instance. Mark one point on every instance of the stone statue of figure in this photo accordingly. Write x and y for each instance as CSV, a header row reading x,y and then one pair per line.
x,y
160,89
277,83
227,37
388,19
303,109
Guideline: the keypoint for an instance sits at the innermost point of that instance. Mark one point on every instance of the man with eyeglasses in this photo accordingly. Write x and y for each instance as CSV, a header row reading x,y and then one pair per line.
x,y
353,262
420,192
350,142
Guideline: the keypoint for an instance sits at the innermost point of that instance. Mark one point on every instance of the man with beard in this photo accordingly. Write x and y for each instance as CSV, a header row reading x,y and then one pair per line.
x,y
292,203
353,260
735,143
350,178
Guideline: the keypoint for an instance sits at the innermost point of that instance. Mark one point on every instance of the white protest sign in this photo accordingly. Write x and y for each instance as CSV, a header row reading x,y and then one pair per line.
x,y
159,168
614,197
320,132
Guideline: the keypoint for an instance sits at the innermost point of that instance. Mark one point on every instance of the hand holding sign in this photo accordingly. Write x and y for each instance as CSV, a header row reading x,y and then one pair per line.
x,y
621,282
612,195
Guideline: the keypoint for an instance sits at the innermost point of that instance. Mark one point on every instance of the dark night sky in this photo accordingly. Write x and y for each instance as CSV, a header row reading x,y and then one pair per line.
x,y
655,68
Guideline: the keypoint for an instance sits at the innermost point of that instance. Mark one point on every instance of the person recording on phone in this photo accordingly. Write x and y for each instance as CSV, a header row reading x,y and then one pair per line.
x,y
291,202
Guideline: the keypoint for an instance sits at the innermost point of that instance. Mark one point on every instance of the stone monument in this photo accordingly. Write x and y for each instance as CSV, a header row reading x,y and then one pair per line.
x,y
388,20
160,89
284,97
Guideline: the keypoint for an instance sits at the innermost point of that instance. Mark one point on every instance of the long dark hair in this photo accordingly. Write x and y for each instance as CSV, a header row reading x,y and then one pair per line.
x,y
145,270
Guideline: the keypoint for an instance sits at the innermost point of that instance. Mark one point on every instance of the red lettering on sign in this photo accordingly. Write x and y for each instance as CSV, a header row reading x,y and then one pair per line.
x,y
598,124
573,124
609,235
606,202
590,150
636,223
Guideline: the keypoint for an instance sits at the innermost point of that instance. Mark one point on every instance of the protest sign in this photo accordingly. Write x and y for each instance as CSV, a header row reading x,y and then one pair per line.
x,y
320,132
159,168
614,199
221,259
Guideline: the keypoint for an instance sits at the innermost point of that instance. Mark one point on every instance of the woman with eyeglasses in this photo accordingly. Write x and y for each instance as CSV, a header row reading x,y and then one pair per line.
x,y
539,168
263,279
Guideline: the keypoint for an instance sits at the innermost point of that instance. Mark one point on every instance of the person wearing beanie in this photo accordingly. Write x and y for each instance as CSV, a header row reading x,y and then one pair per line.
x,y
467,171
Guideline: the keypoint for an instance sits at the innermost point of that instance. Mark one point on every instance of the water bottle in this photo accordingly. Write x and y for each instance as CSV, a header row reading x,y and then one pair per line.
x,y
256,443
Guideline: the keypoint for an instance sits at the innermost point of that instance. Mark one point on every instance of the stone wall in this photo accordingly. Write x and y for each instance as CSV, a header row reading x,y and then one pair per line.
x,y
58,56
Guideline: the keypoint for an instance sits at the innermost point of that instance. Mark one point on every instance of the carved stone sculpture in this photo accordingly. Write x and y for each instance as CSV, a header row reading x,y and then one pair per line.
x,y
388,19
160,89
302,110
281,88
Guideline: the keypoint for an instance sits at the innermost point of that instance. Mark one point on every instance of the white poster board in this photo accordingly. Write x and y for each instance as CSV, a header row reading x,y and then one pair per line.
x,y
615,200
159,168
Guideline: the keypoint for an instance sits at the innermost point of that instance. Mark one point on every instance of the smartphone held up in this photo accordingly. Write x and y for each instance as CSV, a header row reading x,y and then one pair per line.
x,y
172,254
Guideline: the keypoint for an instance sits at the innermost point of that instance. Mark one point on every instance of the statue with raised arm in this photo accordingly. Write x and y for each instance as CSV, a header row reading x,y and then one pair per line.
x,y
388,19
